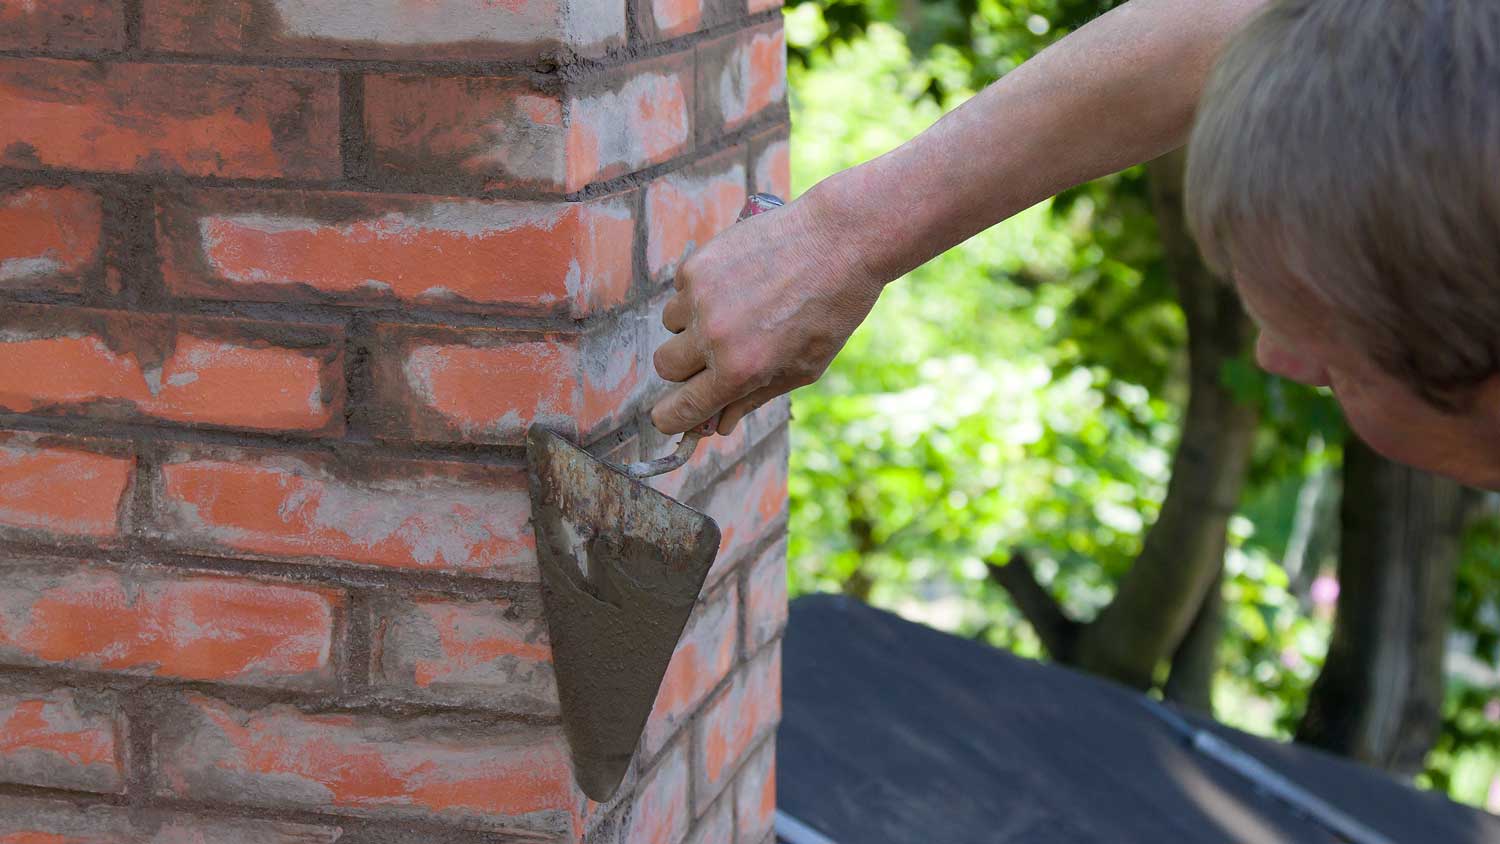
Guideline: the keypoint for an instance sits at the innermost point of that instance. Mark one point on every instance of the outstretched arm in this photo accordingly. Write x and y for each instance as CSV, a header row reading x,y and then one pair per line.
x,y
765,306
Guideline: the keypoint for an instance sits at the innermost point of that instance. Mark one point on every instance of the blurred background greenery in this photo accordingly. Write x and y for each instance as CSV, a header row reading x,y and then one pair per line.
x,y
1024,395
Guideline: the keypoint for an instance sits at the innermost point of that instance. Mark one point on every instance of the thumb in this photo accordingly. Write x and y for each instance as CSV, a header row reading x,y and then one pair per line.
x,y
689,405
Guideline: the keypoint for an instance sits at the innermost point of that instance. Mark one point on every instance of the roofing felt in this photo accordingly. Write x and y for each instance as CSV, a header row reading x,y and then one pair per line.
x,y
896,733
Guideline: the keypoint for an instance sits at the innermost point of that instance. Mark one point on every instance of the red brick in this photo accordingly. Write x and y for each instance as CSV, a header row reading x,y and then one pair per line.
x,y
463,134
65,25
765,592
704,655
61,489
740,76
659,813
772,160
31,820
736,721
512,777
366,248
151,622
685,209
755,7
489,385
671,18
716,454
454,518
717,827
747,503
643,117
755,794
433,29
223,373
62,738
417,515
231,122
49,238
491,655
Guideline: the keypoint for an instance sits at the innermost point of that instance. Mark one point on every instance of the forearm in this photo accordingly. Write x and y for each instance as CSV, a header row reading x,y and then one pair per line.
x,y
1117,92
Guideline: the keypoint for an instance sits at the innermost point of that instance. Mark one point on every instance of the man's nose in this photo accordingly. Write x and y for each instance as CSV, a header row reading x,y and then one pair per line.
x,y
1277,359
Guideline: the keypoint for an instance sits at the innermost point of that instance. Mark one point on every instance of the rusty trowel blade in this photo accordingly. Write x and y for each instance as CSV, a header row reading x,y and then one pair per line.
x,y
621,566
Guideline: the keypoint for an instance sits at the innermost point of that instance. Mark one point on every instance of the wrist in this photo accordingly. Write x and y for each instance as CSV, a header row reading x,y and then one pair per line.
x,y
853,225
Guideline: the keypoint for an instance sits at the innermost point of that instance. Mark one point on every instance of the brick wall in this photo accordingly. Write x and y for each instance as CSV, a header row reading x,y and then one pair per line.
x,y
281,286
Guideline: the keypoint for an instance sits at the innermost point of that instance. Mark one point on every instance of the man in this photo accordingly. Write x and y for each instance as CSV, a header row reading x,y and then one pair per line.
x,y
1344,170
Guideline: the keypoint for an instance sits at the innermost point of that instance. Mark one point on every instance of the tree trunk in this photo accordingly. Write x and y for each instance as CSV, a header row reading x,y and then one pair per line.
x,y
1158,600
1379,697
1191,683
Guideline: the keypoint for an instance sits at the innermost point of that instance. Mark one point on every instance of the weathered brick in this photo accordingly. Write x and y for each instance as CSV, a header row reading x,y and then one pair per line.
x,y
223,373
747,502
366,248
30,820
63,25
716,827
421,515
62,738
488,385
755,794
62,489
704,655
152,622
714,455
49,238
639,118
685,209
490,655
232,122
736,721
765,597
659,814
772,162
463,134
514,778
740,76
434,29
756,7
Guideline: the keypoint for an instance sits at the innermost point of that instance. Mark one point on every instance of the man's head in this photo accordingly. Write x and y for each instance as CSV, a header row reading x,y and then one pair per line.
x,y
1345,171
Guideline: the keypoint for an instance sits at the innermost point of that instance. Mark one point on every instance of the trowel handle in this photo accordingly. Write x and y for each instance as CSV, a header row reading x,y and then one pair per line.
x,y
758,203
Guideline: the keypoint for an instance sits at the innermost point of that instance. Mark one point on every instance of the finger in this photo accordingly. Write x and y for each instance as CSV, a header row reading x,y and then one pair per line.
x,y
675,315
680,358
689,405
738,410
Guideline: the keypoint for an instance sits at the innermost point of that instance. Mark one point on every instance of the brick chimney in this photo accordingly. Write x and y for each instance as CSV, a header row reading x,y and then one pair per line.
x,y
282,284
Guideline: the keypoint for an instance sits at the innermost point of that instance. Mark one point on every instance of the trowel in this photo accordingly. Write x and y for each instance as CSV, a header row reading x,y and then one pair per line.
x,y
622,566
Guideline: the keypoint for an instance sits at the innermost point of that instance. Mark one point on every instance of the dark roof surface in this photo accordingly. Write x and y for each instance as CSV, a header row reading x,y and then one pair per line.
x,y
894,733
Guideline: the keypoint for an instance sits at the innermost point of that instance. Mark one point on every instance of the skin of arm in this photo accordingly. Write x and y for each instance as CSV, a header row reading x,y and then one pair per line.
x,y
765,306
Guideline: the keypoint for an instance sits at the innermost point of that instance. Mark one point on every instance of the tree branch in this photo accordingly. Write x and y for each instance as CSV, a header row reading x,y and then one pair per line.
x,y
1052,625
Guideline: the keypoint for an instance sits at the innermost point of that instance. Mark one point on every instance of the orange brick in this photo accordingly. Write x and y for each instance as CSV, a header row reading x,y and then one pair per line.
x,y
154,623
428,516
63,25
432,29
765,593
642,117
231,122
33,820
489,385
490,655
747,503
659,813
514,778
223,373
62,738
704,655
755,794
49,238
685,209
741,75
736,721
772,161
364,248
61,489
755,7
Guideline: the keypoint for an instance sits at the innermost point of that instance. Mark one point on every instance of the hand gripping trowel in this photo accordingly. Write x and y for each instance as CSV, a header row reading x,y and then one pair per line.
x,y
621,567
